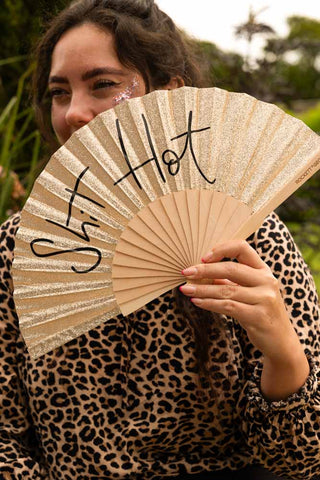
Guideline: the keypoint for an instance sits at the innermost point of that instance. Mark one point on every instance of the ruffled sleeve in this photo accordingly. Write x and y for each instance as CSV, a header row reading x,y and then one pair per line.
x,y
18,450
284,436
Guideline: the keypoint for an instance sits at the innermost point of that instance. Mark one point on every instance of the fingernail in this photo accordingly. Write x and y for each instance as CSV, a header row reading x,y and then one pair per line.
x,y
196,301
189,271
187,289
207,258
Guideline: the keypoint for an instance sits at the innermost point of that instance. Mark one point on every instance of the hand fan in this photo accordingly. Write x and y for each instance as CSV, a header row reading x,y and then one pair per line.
x,y
143,191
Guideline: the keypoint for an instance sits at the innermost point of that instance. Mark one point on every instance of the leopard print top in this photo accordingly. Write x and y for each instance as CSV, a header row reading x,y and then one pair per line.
x,y
124,400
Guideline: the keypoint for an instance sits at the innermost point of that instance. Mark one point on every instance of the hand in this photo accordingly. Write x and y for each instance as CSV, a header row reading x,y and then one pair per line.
x,y
248,292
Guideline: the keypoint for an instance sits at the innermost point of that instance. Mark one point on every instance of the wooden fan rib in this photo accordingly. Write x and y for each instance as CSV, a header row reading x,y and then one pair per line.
x,y
130,261
107,165
124,266
170,206
206,219
169,233
132,305
131,250
237,216
157,219
222,212
139,233
193,209
134,294
230,207
125,284
213,229
135,239
184,220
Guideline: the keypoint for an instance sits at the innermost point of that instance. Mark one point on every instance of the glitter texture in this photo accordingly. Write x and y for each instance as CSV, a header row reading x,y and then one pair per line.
x,y
115,194
127,93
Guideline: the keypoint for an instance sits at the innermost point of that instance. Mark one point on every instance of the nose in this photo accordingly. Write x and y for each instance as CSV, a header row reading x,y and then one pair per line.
x,y
79,112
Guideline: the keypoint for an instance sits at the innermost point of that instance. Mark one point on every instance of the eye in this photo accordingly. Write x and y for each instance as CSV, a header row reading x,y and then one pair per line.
x,y
58,93
104,84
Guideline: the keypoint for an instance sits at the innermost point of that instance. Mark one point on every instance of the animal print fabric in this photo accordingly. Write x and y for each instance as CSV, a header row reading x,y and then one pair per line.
x,y
125,400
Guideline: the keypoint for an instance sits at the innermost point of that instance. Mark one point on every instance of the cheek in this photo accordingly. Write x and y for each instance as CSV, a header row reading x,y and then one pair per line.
x,y
136,88
58,123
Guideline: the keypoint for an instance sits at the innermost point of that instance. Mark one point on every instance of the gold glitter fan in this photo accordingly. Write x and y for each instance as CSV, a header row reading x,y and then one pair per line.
x,y
143,191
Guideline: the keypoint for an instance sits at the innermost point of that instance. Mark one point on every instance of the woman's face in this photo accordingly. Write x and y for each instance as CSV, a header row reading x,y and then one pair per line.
x,y
87,78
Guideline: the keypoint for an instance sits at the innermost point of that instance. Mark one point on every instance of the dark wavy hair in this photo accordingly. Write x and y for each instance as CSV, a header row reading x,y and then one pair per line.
x,y
148,41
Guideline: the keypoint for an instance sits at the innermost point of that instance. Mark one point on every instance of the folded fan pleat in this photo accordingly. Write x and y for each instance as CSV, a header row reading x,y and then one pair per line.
x,y
142,192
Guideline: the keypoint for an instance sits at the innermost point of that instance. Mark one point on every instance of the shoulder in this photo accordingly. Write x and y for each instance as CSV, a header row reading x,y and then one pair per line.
x,y
273,241
275,245
9,229
8,232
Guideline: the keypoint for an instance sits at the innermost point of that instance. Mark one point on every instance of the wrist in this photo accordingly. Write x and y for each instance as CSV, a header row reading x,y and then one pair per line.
x,y
281,378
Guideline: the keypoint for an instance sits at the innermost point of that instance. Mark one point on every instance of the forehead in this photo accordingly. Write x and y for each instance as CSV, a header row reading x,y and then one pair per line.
x,y
83,45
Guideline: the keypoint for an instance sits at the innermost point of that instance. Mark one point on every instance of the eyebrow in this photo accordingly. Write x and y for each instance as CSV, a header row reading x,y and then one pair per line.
x,y
88,75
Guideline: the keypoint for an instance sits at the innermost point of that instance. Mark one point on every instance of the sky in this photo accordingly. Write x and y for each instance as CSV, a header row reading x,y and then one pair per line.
x,y
215,20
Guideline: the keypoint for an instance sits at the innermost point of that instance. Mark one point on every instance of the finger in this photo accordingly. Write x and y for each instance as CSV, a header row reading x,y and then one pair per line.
x,y
222,281
237,249
230,308
232,271
226,291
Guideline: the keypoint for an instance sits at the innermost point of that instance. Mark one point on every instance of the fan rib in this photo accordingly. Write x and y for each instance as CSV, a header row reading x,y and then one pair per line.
x,y
184,222
170,205
141,216
131,250
139,232
168,234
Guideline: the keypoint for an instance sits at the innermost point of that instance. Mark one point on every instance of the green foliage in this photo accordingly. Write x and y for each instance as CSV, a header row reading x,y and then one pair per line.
x,y
15,137
21,23
304,205
221,69
311,117
307,237
20,153
298,79
303,28
274,78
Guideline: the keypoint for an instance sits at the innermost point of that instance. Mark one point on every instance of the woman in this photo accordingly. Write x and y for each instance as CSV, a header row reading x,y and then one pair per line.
x,y
207,387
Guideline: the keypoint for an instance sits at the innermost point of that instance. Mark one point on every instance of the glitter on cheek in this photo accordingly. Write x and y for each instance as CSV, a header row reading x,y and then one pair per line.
x,y
127,93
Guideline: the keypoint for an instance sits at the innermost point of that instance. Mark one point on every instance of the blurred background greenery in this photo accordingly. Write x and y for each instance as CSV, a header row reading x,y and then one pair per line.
x,y
288,74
